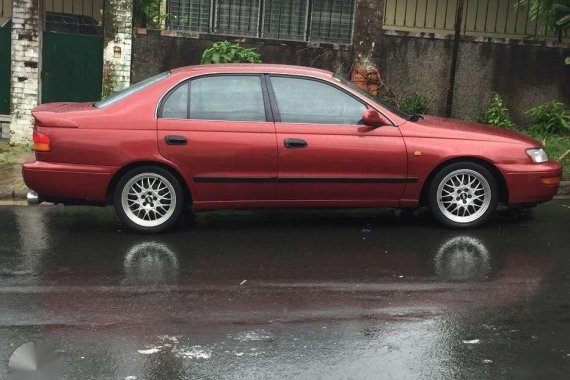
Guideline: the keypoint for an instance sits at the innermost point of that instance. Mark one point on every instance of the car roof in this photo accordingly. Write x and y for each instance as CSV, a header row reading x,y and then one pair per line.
x,y
254,68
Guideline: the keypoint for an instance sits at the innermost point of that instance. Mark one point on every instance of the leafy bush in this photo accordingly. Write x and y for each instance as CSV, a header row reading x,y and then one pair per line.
x,y
415,104
553,14
549,118
147,13
498,114
227,52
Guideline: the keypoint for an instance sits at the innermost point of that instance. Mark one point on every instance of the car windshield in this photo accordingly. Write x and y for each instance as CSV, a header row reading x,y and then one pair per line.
x,y
390,107
131,90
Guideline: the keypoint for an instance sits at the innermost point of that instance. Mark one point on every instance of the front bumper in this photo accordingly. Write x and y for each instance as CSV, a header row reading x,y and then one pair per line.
x,y
56,180
531,183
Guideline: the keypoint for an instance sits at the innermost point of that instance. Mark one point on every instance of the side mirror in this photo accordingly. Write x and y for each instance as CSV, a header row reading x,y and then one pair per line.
x,y
373,118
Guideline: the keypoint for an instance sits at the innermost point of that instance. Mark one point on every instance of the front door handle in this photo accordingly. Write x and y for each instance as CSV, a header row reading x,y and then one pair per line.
x,y
175,140
294,143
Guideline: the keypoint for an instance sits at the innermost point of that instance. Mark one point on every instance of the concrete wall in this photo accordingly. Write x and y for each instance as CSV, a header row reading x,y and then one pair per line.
x,y
154,52
524,75
410,65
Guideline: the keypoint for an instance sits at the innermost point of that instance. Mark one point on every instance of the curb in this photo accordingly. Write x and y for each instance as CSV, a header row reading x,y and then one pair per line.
x,y
11,193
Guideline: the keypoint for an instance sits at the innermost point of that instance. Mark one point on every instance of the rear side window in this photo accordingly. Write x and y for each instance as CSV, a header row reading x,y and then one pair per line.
x,y
227,97
312,102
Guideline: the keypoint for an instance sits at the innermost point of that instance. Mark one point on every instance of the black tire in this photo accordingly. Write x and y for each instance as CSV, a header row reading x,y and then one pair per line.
x,y
174,209
440,176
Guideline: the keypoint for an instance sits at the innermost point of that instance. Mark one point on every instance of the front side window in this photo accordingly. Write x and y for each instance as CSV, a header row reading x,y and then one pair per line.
x,y
312,102
227,97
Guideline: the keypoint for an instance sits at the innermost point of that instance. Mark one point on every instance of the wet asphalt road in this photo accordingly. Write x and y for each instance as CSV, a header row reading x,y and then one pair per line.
x,y
357,294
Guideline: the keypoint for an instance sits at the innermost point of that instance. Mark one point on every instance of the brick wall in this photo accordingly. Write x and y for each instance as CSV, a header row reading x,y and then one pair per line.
x,y
25,55
117,45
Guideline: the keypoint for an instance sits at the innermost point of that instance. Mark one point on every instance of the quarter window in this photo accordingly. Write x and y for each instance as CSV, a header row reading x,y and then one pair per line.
x,y
227,97
308,101
176,106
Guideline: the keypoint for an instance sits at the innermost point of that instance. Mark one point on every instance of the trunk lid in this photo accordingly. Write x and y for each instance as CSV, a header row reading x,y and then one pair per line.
x,y
58,114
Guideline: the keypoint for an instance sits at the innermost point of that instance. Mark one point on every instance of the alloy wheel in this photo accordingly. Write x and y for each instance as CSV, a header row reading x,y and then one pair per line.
x,y
463,196
148,199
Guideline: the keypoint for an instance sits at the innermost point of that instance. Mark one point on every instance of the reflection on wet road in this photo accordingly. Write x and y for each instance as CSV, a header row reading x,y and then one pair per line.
x,y
298,294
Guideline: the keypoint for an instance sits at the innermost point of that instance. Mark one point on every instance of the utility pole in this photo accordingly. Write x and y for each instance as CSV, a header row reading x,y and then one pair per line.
x,y
457,27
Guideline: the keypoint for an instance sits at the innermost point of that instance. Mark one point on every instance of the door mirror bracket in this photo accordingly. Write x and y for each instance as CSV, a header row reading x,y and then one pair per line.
x,y
374,119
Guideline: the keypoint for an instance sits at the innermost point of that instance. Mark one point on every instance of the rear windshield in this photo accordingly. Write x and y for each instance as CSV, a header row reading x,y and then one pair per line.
x,y
131,90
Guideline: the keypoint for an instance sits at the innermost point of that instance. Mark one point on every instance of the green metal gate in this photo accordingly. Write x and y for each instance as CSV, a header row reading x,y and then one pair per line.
x,y
5,44
72,67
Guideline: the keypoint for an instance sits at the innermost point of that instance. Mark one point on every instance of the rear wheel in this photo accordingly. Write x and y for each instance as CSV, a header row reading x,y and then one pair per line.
x,y
149,199
463,195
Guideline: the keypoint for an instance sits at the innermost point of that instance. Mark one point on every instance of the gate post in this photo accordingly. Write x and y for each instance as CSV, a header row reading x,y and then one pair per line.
x,y
117,42
25,68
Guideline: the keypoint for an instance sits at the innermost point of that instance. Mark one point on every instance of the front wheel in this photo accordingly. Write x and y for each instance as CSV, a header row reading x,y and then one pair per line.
x,y
463,195
148,199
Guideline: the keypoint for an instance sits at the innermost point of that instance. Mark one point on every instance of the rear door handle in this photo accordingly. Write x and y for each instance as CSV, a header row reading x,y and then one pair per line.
x,y
295,143
175,140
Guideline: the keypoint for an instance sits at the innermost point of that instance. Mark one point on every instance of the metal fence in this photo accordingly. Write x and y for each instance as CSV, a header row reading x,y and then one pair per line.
x,y
86,12
297,20
485,18
89,8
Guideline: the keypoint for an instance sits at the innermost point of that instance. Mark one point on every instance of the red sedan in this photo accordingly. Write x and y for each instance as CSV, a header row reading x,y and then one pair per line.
x,y
245,136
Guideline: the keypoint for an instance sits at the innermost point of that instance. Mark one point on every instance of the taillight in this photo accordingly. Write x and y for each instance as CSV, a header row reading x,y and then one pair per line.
x,y
41,142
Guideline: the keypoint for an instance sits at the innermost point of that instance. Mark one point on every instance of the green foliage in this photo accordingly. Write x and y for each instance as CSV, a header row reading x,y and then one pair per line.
x,y
148,13
498,114
13,154
554,13
227,52
549,118
563,12
417,104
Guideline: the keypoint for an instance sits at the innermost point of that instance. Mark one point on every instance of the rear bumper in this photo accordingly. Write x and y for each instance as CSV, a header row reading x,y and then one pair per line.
x,y
63,181
531,183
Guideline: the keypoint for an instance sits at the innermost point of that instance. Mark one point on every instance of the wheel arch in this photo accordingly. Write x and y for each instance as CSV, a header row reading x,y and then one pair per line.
x,y
501,182
175,172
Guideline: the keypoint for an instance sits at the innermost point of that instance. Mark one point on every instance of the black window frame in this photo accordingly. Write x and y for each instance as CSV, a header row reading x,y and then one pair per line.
x,y
269,114
264,20
275,107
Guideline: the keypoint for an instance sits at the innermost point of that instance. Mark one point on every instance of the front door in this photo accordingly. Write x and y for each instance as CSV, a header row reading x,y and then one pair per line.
x,y
325,155
217,128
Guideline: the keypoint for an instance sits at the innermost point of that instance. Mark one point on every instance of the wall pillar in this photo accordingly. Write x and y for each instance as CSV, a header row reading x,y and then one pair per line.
x,y
117,42
25,68
367,33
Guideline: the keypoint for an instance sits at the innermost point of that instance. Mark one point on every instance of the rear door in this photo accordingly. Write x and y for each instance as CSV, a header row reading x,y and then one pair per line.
x,y
218,128
325,154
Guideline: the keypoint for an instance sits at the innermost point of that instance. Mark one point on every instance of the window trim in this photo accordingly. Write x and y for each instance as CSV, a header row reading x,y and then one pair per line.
x,y
265,96
275,107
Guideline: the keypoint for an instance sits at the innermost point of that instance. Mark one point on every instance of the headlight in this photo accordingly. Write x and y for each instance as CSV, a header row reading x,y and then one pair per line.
x,y
537,155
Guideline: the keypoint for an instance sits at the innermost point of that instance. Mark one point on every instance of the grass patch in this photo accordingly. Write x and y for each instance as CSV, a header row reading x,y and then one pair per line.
x,y
11,155
558,148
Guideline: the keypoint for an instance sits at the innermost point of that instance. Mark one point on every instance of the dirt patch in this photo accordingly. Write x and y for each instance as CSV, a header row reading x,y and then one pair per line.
x,y
11,159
